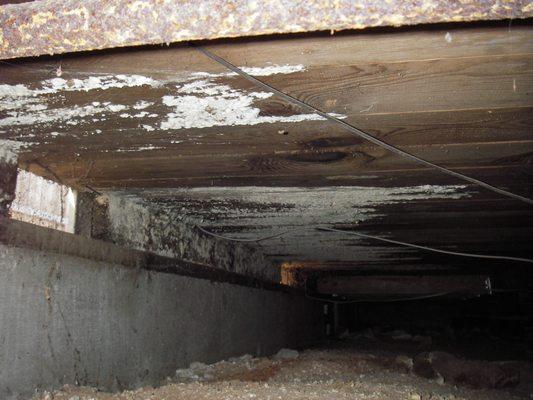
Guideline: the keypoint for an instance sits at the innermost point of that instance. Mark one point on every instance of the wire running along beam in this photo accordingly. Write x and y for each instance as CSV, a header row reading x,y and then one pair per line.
x,y
358,132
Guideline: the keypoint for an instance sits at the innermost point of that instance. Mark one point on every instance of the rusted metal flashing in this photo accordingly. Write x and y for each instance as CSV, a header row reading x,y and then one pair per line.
x,y
52,27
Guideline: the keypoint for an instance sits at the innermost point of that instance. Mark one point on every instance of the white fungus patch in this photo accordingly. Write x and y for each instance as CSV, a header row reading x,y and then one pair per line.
x,y
256,71
26,104
196,102
296,212
95,82
324,205
9,151
148,128
203,104
116,107
142,104
70,115
140,148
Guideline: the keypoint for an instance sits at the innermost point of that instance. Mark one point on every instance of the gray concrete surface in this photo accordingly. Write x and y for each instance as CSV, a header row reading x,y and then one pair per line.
x,y
70,320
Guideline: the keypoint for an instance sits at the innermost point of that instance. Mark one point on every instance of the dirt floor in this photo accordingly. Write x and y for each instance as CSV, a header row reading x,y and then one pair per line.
x,y
372,364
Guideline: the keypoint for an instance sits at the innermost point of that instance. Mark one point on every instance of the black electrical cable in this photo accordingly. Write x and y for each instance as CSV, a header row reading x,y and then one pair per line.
x,y
356,131
244,239
382,300
416,246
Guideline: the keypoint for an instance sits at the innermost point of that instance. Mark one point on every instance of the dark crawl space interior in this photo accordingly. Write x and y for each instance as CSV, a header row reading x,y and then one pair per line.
x,y
240,199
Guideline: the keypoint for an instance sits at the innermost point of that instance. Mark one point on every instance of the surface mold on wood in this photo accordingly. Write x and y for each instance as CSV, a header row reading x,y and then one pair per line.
x,y
171,130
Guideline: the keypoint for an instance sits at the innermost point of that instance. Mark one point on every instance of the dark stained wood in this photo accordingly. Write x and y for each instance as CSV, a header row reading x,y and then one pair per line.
x,y
472,96
165,166
464,102
458,285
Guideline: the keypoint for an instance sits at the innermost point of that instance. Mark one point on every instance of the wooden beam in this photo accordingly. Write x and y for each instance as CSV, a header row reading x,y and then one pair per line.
x,y
107,121
404,285
49,27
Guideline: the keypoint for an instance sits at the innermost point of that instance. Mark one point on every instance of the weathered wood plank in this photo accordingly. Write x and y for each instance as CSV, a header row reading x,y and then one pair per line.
x,y
462,100
469,223
466,126
137,169
416,44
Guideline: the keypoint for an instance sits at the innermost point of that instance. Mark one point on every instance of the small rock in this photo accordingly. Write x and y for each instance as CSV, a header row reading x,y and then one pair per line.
x,y
197,366
446,367
400,335
286,354
440,379
240,360
186,374
415,396
75,398
404,361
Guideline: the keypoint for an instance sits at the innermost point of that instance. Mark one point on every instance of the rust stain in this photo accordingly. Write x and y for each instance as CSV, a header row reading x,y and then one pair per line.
x,y
52,27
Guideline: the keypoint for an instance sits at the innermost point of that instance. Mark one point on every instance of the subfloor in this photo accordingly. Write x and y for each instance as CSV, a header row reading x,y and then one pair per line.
x,y
372,364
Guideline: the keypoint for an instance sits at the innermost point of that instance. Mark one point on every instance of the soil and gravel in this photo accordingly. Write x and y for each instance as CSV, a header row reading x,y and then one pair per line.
x,y
369,365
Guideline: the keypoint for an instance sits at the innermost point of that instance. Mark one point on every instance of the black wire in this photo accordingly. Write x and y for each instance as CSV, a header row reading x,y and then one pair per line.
x,y
417,246
356,131
389,300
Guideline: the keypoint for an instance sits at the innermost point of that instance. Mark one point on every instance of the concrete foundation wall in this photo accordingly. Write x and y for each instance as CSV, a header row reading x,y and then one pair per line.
x,y
70,320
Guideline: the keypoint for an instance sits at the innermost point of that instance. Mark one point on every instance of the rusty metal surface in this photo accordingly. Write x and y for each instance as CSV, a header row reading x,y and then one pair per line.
x,y
52,27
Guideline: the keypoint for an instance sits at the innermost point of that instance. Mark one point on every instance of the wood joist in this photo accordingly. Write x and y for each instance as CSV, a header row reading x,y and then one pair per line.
x,y
460,97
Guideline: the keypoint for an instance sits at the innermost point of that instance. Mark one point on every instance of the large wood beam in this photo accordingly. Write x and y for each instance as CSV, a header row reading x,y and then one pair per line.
x,y
51,27
171,117
455,285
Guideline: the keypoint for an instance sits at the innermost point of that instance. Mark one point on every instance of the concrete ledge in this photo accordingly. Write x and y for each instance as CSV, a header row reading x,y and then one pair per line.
x,y
22,234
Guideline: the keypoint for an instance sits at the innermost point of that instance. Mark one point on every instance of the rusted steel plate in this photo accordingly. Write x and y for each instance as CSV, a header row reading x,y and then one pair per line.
x,y
52,27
